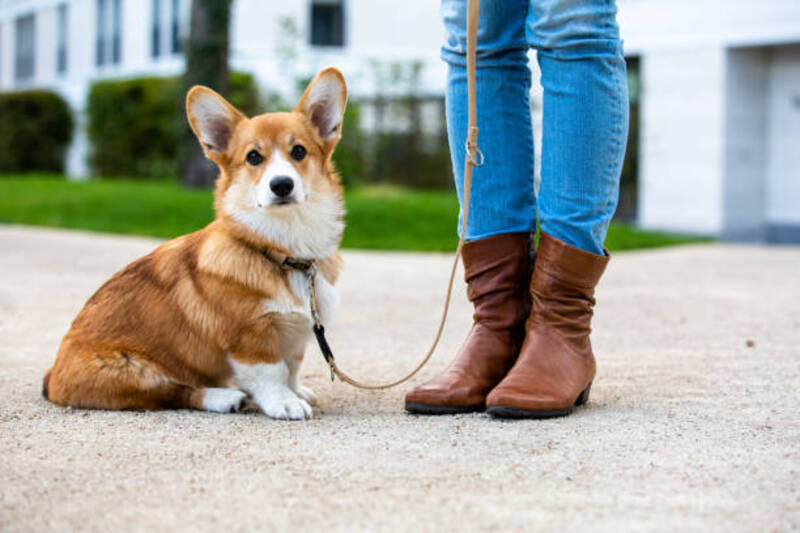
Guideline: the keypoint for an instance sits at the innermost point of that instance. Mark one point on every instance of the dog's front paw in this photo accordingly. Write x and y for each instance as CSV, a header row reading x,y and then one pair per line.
x,y
285,406
307,394
223,400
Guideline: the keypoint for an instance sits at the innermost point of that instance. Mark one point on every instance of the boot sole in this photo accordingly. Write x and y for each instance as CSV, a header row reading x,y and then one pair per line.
x,y
425,409
498,411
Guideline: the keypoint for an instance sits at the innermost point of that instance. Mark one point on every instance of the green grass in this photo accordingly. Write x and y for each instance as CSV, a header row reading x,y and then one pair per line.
x,y
378,217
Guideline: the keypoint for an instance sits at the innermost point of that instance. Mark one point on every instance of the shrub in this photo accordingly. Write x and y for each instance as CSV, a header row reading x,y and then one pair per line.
x,y
37,130
348,158
244,94
135,125
401,151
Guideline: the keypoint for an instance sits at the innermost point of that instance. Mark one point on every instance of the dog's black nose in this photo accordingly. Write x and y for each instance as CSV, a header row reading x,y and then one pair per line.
x,y
281,185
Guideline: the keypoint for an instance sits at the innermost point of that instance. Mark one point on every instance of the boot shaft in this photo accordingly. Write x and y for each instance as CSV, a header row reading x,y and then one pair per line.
x,y
497,270
562,286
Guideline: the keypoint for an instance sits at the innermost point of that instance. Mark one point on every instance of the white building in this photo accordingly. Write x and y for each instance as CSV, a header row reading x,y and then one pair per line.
x,y
720,116
720,83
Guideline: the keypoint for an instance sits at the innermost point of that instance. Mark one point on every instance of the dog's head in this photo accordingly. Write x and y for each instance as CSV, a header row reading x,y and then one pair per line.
x,y
276,181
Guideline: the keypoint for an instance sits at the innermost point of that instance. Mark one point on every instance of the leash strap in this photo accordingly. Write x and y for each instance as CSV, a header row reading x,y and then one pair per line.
x,y
473,158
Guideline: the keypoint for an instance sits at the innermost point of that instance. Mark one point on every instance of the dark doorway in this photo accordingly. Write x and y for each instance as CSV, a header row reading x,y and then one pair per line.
x,y
629,184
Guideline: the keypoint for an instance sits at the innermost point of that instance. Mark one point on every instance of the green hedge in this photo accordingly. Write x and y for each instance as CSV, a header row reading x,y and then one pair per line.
x,y
135,125
36,131
349,158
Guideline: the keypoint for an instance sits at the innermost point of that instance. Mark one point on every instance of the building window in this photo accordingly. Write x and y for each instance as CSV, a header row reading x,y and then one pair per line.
x,y
165,33
155,31
327,22
61,36
25,41
100,44
116,28
175,28
108,49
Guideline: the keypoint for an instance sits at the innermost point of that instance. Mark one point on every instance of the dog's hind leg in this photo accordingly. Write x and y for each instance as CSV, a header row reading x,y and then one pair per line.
x,y
120,380
221,400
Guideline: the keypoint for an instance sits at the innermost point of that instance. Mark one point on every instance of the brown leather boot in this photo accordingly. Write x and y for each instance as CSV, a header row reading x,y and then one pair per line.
x,y
555,367
497,270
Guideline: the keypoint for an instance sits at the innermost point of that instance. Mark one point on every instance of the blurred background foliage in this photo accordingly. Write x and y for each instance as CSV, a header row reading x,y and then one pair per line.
x,y
135,125
37,129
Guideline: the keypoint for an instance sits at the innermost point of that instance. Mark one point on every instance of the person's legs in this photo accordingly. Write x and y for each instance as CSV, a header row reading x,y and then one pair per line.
x,y
502,199
502,207
585,126
585,117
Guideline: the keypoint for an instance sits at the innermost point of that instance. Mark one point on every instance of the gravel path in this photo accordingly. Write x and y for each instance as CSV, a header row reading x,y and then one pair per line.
x,y
692,424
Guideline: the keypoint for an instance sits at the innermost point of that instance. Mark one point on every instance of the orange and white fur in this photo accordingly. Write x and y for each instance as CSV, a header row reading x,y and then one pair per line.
x,y
207,321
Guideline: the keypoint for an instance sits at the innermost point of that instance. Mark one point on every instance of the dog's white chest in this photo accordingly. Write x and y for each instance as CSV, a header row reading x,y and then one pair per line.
x,y
286,303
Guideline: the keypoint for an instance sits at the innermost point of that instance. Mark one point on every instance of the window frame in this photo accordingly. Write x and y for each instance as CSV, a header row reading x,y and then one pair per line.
x,y
62,38
176,42
25,65
155,29
116,32
101,7
333,43
108,42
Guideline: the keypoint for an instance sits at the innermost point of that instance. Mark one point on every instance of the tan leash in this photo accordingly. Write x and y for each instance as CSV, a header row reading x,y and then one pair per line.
x,y
473,158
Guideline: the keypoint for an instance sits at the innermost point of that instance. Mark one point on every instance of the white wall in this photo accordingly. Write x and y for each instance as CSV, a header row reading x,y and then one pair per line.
x,y
783,155
6,48
649,25
382,31
82,28
681,140
745,143
718,155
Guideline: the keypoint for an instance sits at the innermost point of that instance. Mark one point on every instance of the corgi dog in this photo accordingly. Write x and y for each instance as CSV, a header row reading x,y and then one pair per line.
x,y
211,320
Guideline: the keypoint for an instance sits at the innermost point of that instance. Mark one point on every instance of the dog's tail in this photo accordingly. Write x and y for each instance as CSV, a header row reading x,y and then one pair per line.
x,y
45,384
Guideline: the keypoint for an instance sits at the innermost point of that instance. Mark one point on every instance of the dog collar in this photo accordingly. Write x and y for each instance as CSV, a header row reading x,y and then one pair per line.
x,y
286,261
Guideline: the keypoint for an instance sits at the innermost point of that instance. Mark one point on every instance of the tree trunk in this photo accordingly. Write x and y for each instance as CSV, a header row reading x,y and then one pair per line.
x,y
206,64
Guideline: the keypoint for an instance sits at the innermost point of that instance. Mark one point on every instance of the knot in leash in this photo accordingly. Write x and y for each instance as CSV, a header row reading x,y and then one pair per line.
x,y
474,154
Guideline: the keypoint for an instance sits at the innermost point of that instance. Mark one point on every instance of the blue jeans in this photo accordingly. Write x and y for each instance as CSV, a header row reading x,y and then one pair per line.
x,y
585,116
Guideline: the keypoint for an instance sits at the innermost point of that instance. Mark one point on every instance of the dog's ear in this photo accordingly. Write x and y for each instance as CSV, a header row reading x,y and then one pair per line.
x,y
323,104
213,120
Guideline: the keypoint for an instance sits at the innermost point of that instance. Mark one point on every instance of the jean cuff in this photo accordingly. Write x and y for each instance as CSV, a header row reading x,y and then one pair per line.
x,y
510,57
585,49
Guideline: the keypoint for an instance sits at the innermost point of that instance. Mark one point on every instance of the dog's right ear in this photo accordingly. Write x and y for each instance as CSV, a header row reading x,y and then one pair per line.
x,y
213,120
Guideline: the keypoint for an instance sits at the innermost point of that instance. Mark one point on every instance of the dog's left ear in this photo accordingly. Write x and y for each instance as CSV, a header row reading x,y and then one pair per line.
x,y
323,104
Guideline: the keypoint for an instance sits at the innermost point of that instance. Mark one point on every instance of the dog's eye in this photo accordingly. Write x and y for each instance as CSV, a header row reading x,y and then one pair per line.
x,y
298,152
254,158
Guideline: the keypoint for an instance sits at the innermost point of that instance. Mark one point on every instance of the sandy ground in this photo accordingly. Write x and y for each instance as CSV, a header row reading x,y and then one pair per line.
x,y
692,424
